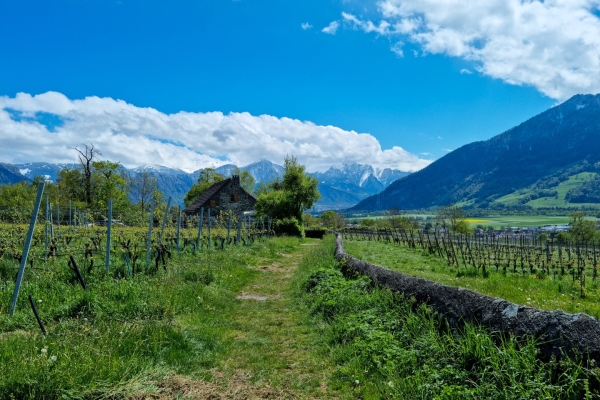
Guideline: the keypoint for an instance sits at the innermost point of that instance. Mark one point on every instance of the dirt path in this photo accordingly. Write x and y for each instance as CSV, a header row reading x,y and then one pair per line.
x,y
274,351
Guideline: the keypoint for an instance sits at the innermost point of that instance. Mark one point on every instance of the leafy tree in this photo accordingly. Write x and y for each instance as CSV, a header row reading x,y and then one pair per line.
x,y
206,179
290,196
70,185
331,219
247,181
310,221
582,229
452,217
368,222
108,183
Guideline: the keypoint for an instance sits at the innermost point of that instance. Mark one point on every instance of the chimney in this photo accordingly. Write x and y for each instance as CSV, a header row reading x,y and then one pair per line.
x,y
235,179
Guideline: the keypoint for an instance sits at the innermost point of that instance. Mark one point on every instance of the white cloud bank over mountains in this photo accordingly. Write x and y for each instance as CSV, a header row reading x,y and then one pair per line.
x,y
185,140
552,45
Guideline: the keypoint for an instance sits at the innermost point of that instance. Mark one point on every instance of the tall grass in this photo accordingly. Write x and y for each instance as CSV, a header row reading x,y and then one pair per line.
x,y
388,347
122,333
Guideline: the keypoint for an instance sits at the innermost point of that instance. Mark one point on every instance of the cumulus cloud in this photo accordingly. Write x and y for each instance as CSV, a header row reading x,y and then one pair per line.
x,y
306,26
466,71
552,45
185,140
332,28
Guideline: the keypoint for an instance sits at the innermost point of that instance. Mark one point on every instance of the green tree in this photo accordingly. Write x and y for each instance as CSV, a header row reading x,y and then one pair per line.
x,y
331,219
452,217
368,222
582,229
310,220
206,179
290,196
247,181
109,183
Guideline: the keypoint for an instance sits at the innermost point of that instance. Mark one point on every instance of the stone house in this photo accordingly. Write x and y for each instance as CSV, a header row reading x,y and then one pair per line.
x,y
227,195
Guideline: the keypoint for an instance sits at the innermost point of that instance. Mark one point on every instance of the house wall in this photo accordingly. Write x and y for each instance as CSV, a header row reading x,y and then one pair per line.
x,y
224,198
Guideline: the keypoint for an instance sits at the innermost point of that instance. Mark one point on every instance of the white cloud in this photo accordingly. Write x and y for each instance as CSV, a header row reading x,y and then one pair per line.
x,y
306,26
466,71
367,26
189,141
332,28
552,45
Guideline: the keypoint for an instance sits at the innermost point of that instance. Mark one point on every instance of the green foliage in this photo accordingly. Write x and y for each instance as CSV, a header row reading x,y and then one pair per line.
x,y
582,229
310,221
124,333
288,226
368,222
290,197
247,181
388,347
206,179
331,219
452,217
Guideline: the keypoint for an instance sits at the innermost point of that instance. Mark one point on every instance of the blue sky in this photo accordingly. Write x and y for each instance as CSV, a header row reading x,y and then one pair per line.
x,y
427,97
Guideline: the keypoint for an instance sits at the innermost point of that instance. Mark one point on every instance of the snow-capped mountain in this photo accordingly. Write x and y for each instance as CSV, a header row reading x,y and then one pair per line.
x,y
264,170
47,170
340,187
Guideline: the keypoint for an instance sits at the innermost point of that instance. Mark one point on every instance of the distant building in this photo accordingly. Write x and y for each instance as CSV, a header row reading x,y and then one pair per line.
x,y
227,195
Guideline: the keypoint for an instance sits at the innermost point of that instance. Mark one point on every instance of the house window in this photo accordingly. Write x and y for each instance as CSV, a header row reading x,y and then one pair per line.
x,y
234,198
215,203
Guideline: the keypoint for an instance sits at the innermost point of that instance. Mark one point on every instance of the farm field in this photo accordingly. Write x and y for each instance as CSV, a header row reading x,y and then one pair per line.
x,y
499,221
181,329
269,318
523,221
543,291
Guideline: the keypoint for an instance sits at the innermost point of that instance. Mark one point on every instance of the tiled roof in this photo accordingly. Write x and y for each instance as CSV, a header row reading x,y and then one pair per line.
x,y
200,201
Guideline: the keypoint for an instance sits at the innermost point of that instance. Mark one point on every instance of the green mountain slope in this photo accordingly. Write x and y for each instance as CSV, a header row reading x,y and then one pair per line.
x,y
533,159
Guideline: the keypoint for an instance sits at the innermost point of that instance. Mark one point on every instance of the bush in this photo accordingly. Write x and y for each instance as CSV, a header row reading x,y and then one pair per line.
x,y
288,226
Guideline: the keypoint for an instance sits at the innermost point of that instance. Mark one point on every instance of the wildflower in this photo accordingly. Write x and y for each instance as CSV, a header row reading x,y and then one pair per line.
x,y
391,384
53,358
44,350
356,382
39,300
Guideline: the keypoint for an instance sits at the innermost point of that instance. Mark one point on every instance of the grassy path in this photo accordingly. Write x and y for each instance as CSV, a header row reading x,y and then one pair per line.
x,y
273,351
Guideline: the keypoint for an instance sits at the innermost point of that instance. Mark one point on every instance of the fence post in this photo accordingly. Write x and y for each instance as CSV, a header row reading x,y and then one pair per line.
x,y
178,228
108,232
200,222
209,227
162,230
69,214
239,231
46,231
36,209
228,226
269,233
149,242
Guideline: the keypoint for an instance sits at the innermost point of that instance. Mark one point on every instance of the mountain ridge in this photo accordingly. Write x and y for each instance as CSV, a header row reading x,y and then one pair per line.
x,y
341,187
481,172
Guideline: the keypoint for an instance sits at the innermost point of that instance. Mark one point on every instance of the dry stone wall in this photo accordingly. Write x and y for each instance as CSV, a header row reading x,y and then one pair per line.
x,y
558,333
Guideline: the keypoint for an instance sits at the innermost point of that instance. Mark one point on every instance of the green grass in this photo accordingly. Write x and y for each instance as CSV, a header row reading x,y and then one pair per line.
x,y
387,347
521,221
557,201
127,335
540,291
